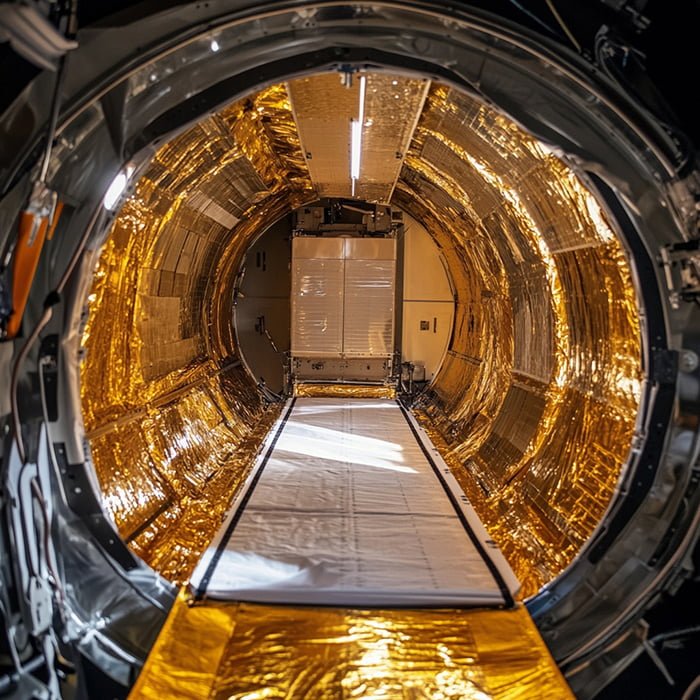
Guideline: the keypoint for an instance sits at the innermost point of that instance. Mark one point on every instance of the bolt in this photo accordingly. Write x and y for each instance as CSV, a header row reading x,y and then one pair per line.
x,y
688,361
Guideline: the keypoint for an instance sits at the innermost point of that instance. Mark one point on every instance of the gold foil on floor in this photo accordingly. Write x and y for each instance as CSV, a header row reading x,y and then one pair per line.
x,y
349,391
253,652
187,653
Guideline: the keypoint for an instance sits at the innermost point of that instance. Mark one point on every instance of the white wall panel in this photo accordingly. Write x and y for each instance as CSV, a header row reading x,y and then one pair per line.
x,y
427,345
343,297
425,277
427,298
317,307
369,308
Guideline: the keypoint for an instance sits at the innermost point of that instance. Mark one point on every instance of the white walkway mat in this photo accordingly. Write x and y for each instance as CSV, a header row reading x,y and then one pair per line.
x,y
349,504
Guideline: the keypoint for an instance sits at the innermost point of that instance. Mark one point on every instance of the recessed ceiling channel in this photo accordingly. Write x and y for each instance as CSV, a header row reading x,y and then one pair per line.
x,y
533,399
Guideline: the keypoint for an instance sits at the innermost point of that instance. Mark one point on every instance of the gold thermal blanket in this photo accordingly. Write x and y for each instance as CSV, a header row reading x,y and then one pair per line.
x,y
259,652
536,402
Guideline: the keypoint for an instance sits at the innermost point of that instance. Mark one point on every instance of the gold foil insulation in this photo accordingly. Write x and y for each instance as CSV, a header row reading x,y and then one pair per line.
x,y
254,652
536,402
173,422
184,459
345,391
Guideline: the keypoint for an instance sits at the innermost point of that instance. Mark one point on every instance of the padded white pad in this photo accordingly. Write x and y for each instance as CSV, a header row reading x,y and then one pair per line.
x,y
345,508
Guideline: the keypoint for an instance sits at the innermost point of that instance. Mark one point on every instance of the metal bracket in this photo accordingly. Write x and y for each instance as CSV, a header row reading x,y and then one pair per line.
x,y
664,366
40,605
681,265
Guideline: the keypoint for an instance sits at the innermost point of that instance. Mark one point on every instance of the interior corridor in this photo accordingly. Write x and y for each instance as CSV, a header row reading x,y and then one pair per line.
x,y
350,565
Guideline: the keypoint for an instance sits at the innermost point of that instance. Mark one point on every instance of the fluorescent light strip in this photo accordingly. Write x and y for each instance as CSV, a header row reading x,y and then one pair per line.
x,y
356,136
356,139
363,87
114,192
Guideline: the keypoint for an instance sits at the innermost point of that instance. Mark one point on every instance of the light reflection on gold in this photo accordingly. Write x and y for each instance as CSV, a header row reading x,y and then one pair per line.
x,y
254,652
535,406
173,423
168,474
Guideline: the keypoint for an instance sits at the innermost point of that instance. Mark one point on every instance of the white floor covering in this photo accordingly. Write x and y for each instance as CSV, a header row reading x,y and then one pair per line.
x,y
344,508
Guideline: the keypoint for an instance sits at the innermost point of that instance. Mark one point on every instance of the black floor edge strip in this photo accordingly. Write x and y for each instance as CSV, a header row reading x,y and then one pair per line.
x,y
204,583
505,591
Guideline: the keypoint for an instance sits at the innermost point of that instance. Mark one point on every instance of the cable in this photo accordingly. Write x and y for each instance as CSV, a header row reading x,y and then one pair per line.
x,y
25,533
533,17
14,381
601,51
39,497
563,25
51,299
695,685
53,119
56,99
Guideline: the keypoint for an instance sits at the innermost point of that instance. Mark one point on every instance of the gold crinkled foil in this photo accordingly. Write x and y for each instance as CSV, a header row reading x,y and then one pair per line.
x,y
536,401
173,423
168,474
255,652
535,405
349,391
265,127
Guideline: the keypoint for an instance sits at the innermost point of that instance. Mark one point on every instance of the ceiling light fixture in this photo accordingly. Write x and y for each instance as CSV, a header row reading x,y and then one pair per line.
x,y
356,136
116,188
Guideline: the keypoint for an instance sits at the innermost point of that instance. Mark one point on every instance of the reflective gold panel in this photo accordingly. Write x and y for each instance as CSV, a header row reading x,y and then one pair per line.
x,y
253,652
358,391
173,420
536,402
